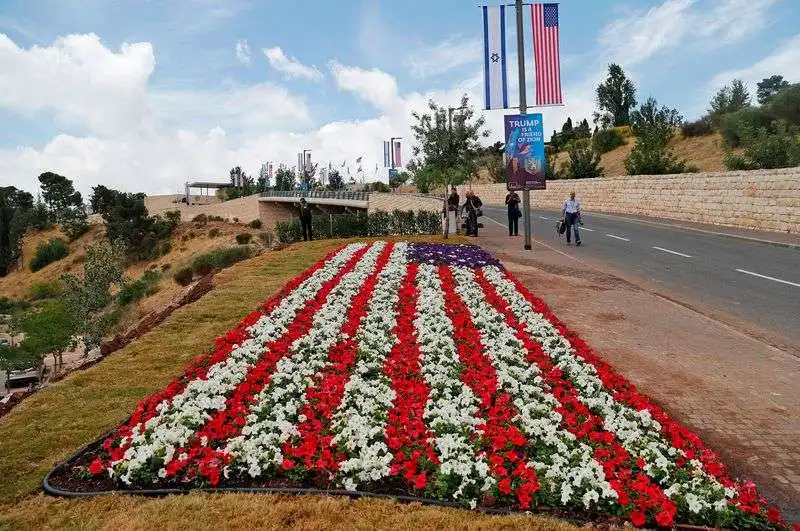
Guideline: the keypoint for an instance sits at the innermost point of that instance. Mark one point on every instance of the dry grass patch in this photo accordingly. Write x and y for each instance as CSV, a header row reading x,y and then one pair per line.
x,y
52,424
253,511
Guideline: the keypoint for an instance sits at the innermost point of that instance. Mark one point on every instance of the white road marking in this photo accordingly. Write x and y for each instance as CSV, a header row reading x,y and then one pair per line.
x,y
618,237
501,224
672,252
542,217
769,278
590,230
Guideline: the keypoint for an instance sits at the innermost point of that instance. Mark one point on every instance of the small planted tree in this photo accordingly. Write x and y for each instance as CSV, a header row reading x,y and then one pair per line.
x,y
87,298
616,97
584,161
446,142
654,126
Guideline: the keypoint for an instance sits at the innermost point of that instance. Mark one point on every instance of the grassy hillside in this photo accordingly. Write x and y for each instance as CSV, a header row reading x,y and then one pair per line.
x,y
55,422
705,152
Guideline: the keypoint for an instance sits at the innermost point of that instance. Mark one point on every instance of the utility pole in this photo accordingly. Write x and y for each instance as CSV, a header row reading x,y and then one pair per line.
x,y
523,109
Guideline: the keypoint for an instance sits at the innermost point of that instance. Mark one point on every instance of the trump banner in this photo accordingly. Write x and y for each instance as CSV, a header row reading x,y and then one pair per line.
x,y
524,152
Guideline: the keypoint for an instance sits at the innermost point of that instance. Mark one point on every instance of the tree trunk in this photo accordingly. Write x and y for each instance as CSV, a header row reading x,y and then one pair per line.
x,y
446,214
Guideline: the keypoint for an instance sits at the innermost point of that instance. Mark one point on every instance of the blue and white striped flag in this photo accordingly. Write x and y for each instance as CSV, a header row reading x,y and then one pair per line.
x,y
494,57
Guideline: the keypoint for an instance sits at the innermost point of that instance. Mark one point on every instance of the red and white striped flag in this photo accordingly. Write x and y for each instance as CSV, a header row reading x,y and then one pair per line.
x,y
546,54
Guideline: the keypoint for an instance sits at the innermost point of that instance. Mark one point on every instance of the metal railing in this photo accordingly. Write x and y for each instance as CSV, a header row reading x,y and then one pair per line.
x,y
314,194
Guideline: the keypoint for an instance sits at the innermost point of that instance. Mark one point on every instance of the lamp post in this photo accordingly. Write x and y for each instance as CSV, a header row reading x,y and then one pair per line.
x,y
450,111
523,108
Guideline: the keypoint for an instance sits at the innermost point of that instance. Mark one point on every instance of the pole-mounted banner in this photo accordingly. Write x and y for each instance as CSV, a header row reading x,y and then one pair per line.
x,y
494,57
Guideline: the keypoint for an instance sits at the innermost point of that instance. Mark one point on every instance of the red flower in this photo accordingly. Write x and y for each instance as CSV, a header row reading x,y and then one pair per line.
x,y
664,518
638,518
287,464
774,515
504,486
421,481
96,468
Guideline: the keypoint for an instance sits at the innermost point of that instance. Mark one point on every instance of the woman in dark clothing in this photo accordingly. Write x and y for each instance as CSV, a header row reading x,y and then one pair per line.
x,y
472,206
305,219
514,213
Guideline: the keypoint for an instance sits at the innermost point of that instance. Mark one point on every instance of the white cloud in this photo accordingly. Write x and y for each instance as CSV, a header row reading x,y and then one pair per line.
x,y
642,34
243,52
784,60
453,52
80,81
375,86
290,67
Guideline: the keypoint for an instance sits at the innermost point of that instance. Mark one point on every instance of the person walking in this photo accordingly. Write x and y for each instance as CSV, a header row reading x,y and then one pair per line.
x,y
514,213
572,216
472,207
305,219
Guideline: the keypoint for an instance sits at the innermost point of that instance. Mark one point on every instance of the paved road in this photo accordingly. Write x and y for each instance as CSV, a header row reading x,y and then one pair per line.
x,y
755,282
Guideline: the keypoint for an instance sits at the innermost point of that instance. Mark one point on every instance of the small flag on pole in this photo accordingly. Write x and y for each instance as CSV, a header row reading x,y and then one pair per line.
x,y
546,54
494,57
397,157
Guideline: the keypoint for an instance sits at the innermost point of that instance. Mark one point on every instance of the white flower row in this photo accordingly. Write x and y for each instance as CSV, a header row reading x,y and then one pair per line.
x,y
636,431
452,408
571,468
272,419
360,421
178,419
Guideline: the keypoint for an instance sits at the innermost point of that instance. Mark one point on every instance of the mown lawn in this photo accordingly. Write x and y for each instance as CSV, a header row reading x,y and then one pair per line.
x,y
54,423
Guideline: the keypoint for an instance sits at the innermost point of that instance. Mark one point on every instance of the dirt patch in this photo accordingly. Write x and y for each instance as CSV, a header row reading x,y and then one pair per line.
x,y
610,317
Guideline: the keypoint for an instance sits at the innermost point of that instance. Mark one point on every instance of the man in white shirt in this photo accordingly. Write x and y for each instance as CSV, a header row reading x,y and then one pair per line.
x,y
572,216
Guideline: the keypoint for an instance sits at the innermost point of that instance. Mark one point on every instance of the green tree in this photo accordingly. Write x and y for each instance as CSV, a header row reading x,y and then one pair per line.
x,y
335,181
616,96
87,298
74,222
654,127
769,87
583,130
400,178
103,199
584,162
58,194
129,222
48,330
15,209
446,141
728,99
285,179
550,171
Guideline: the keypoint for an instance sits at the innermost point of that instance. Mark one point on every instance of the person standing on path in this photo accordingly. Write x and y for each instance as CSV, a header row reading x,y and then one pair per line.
x,y
472,206
572,216
514,213
452,206
305,219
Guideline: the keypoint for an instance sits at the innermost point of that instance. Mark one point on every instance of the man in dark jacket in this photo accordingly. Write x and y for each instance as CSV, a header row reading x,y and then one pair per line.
x,y
452,206
472,206
305,219
514,213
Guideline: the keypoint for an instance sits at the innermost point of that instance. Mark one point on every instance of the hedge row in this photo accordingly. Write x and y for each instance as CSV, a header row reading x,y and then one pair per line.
x,y
378,223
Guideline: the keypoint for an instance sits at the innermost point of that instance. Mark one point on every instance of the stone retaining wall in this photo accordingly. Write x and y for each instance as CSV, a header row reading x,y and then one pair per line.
x,y
243,208
766,200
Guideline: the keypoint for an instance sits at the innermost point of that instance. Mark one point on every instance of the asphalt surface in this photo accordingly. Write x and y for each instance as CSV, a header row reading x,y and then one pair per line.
x,y
757,283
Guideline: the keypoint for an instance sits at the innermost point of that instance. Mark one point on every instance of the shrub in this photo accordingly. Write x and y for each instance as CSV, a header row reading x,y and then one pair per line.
x,y
201,219
227,256
379,223
216,218
429,222
131,291
202,264
288,231
74,222
183,275
236,220
607,140
701,127
44,290
166,248
165,267
584,161
163,226
48,252
785,105
255,224
764,150
243,238
213,233
734,127
624,130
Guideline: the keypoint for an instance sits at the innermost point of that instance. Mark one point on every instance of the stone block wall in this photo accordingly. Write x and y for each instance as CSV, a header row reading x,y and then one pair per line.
x,y
767,200
243,208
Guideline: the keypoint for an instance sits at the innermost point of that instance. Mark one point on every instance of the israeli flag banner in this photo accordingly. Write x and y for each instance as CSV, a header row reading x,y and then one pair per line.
x,y
494,57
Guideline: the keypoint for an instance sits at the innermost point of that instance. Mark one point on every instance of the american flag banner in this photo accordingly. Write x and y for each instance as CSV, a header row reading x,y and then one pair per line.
x,y
546,54
397,154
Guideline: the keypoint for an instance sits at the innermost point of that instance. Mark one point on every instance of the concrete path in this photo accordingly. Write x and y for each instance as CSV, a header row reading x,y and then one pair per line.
x,y
745,282
737,392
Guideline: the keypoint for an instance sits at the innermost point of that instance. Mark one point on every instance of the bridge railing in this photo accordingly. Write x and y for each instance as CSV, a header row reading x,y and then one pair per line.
x,y
315,194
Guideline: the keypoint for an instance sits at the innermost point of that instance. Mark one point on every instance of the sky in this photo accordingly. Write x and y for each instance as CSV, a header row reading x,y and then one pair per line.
x,y
143,95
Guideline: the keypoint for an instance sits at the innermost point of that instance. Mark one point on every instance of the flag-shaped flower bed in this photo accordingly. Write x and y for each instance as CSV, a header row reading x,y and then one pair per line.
x,y
420,370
